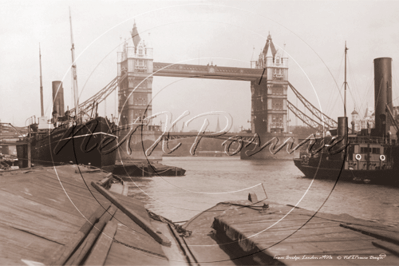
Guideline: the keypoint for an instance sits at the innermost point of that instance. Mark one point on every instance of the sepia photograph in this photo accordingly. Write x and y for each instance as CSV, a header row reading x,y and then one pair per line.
x,y
199,132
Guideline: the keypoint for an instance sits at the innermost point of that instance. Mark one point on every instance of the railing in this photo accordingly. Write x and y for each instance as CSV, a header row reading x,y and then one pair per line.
x,y
366,139
31,120
276,125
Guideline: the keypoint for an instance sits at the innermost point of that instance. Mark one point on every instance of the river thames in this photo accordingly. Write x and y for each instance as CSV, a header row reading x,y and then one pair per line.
x,y
209,180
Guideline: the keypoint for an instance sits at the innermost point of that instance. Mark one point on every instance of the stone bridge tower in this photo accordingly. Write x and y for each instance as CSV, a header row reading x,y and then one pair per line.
x,y
135,91
269,92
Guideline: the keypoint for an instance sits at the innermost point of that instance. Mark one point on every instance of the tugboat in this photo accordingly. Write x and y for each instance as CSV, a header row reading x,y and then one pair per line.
x,y
81,139
368,155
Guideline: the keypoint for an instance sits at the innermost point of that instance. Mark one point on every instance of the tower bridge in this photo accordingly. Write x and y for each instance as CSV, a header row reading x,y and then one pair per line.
x,y
206,72
268,78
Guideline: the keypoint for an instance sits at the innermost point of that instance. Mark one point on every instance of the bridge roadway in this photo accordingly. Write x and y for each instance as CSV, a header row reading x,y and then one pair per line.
x,y
208,71
181,135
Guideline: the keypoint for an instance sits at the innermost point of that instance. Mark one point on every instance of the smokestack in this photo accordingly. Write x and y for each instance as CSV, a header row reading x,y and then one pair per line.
x,y
342,126
382,94
58,98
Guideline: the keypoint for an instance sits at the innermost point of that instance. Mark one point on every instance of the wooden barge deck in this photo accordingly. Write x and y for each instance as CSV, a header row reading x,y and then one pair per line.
x,y
55,216
260,233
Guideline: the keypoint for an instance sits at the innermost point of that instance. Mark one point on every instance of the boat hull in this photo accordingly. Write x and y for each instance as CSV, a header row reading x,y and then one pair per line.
x,y
382,176
82,144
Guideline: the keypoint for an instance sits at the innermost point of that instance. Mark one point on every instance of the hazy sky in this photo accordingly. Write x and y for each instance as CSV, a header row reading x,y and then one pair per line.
x,y
227,33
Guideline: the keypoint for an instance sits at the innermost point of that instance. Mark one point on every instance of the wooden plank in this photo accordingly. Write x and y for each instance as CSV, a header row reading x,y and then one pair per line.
x,y
141,241
293,235
16,245
80,253
56,198
66,178
36,209
100,250
75,241
35,223
206,247
283,227
120,254
377,233
28,207
60,202
126,221
296,230
349,246
179,252
40,183
269,239
133,204
390,247
106,179
132,215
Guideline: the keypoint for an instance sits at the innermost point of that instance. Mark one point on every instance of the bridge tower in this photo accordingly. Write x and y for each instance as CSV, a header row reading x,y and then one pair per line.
x,y
136,60
269,92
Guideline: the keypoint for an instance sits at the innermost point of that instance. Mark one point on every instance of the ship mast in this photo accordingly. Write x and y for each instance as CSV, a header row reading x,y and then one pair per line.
x,y
74,75
345,83
41,83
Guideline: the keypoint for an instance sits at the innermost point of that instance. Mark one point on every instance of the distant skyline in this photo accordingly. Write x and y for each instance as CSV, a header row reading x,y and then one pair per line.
x,y
227,33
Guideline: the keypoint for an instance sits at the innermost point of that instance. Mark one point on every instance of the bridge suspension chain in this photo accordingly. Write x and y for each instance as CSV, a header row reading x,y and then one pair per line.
x,y
304,117
87,106
325,120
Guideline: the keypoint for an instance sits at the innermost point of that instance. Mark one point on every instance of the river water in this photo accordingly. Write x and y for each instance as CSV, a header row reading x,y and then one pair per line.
x,y
209,180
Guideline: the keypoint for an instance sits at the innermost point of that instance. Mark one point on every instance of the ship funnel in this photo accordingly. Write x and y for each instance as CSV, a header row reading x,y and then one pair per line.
x,y
382,94
58,98
342,126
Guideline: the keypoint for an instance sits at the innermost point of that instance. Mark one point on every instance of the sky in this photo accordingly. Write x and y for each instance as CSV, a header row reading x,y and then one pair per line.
x,y
226,33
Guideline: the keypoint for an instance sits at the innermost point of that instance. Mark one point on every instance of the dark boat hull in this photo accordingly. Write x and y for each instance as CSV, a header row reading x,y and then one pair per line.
x,y
382,176
147,169
81,144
